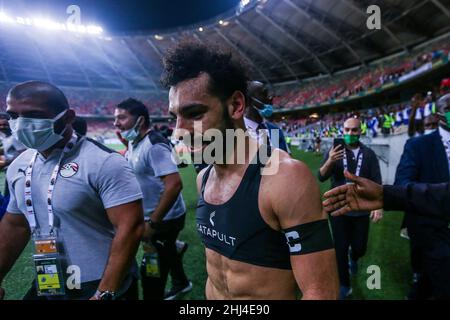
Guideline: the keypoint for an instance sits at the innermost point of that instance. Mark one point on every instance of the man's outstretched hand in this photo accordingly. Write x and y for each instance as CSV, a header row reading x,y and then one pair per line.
x,y
362,195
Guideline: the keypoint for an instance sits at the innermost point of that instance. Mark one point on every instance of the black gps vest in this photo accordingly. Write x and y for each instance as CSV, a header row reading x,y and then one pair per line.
x,y
236,229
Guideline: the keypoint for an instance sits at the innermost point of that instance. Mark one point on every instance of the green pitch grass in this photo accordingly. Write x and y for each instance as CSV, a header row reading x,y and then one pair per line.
x,y
386,249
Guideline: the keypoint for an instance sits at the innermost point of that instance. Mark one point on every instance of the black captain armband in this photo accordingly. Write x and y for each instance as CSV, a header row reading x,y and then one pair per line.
x,y
309,237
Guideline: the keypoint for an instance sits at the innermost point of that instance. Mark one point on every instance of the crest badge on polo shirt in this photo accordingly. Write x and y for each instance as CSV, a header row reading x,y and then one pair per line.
x,y
68,170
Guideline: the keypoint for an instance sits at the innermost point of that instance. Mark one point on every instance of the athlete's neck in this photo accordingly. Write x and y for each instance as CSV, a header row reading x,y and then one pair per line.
x,y
233,162
61,144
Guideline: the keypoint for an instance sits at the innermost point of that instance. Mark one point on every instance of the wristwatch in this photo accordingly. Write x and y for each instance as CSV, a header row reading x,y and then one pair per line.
x,y
105,295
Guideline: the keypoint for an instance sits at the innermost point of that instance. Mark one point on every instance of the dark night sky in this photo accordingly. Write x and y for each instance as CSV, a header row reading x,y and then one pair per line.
x,y
125,16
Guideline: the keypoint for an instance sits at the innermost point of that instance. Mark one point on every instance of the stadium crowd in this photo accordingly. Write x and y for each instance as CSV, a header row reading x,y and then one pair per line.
x,y
384,120
358,81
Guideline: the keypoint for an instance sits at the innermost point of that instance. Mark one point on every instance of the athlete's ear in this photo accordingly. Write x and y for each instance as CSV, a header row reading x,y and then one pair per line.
x,y
236,105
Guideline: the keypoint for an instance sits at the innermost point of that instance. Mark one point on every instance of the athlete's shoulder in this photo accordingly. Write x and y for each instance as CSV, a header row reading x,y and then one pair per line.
x,y
284,163
284,172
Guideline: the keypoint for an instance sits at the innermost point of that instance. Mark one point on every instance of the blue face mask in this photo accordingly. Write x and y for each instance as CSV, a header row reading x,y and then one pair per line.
x,y
36,134
266,111
131,134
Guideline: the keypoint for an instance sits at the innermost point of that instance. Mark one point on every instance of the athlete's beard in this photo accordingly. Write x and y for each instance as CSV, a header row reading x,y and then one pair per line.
x,y
204,141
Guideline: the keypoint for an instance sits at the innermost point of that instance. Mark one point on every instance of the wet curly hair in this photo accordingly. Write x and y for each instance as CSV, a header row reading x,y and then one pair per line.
x,y
189,59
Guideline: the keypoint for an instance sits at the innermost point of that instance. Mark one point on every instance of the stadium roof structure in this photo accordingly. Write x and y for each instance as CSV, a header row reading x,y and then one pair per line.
x,y
281,40
285,40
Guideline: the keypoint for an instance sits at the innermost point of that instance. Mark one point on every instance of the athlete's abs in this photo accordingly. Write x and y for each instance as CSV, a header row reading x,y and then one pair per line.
x,y
231,279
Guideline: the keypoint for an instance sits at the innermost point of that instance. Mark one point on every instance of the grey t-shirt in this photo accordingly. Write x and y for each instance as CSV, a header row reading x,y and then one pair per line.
x,y
151,159
92,178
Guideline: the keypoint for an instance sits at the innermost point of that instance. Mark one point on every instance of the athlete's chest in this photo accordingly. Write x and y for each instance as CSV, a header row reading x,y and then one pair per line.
x,y
219,192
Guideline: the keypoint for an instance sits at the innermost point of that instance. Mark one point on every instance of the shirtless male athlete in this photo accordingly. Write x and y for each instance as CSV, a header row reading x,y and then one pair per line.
x,y
265,235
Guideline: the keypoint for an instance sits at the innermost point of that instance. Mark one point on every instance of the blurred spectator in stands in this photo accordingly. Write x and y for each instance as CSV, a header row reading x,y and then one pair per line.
x,y
416,117
430,105
387,123
445,86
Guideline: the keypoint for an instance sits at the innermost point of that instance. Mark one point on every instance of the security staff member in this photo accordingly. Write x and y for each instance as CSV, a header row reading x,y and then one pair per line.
x,y
352,229
72,193
430,201
247,210
150,156
258,110
429,236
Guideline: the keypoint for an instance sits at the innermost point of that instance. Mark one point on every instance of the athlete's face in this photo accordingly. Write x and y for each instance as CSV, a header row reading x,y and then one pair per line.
x,y
123,120
197,110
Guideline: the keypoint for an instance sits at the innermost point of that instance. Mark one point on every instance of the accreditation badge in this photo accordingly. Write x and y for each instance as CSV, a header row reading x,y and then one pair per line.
x,y
48,266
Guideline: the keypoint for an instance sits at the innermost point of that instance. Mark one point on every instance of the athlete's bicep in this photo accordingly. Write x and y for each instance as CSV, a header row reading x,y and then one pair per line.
x,y
297,205
316,275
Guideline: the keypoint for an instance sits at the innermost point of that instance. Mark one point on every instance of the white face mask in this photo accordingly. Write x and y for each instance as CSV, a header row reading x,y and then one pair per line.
x,y
36,134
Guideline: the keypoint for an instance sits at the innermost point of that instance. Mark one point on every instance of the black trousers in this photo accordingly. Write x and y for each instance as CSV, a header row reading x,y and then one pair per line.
x,y
88,289
349,232
431,265
169,260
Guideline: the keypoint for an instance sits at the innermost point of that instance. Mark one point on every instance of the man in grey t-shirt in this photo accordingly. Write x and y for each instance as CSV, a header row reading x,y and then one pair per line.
x,y
150,156
10,150
11,147
95,200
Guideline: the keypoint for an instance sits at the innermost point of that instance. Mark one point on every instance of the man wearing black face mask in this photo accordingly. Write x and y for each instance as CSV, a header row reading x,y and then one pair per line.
x,y
258,110
79,201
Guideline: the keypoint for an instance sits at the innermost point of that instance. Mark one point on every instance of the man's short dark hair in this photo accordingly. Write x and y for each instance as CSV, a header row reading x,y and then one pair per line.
x,y
135,108
189,59
43,93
